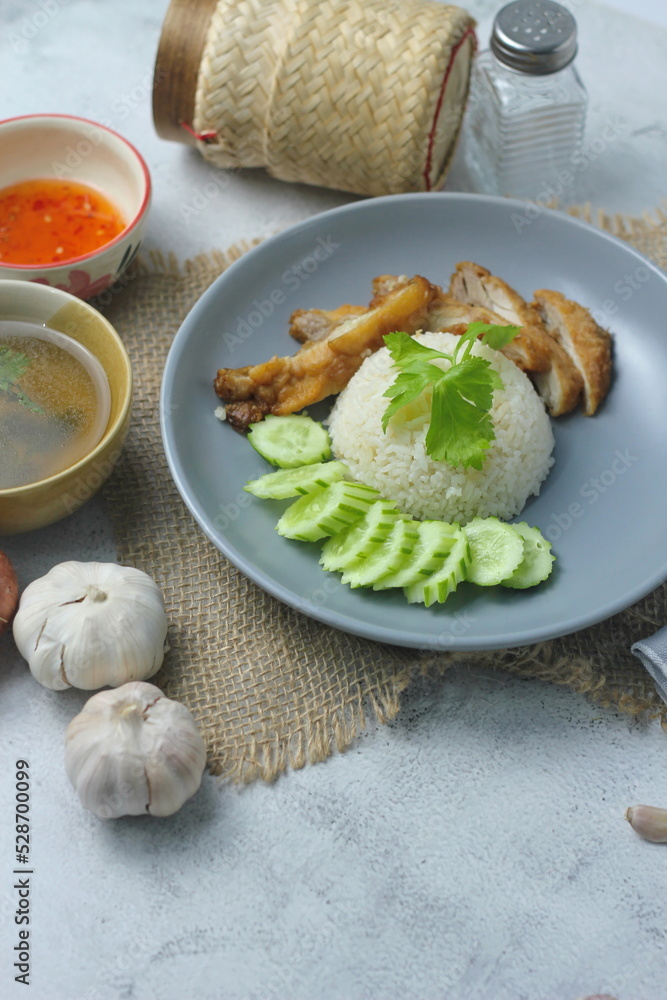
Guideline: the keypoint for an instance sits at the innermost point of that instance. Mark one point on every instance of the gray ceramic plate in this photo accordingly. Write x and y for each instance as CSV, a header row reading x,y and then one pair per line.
x,y
603,504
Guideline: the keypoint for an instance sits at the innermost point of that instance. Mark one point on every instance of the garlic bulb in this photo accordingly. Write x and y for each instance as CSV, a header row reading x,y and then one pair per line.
x,y
133,751
86,625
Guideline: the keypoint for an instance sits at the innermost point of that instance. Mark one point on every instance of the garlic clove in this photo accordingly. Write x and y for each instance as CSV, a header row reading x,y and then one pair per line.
x,y
176,759
132,751
649,822
87,625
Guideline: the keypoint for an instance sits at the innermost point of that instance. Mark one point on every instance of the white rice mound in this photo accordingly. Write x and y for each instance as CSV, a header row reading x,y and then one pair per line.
x,y
397,465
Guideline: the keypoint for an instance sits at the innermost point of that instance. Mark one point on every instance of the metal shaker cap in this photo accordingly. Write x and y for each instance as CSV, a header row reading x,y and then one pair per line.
x,y
534,36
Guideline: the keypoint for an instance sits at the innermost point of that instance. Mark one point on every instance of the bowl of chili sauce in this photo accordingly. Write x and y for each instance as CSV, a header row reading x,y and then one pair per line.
x,y
74,197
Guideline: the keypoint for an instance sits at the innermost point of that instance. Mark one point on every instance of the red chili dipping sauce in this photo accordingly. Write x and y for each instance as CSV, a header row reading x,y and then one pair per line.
x,y
49,221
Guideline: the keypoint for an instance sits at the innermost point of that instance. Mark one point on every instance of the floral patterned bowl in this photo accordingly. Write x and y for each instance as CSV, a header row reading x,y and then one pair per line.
x,y
36,146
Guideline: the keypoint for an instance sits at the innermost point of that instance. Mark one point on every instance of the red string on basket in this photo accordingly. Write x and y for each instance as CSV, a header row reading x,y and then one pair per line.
x,y
200,136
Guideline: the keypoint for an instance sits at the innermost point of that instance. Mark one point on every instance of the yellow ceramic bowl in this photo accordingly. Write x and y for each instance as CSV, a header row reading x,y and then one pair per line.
x,y
38,504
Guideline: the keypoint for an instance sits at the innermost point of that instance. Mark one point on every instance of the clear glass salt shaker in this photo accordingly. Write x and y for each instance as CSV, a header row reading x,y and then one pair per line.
x,y
527,108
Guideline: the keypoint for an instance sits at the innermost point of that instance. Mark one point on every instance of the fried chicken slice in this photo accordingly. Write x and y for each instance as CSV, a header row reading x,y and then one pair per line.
x,y
445,312
588,344
387,282
324,367
478,287
316,324
560,386
553,372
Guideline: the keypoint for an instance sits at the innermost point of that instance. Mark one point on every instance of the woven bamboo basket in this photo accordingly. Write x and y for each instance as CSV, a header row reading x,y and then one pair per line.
x,y
362,95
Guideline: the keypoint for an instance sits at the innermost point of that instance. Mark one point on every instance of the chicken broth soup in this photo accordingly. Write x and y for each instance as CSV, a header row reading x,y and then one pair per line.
x,y
54,403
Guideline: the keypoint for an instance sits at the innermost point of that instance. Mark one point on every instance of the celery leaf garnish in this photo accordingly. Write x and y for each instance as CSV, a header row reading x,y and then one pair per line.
x,y
461,427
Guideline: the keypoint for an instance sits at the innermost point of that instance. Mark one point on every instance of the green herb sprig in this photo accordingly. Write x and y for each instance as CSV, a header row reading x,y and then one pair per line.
x,y
461,427
13,365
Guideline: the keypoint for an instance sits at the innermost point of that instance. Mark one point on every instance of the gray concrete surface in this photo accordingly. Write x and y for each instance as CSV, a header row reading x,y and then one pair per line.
x,y
474,849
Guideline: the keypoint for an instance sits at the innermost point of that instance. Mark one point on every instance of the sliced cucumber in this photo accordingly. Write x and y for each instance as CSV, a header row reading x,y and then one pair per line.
x,y
537,561
387,558
436,540
290,441
373,533
496,551
336,550
296,482
326,512
437,587
352,544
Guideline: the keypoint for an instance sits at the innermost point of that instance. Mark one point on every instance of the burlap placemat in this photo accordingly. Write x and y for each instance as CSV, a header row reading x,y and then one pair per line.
x,y
270,687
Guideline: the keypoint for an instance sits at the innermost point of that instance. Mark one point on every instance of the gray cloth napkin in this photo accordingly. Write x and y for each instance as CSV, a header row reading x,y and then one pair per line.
x,y
653,654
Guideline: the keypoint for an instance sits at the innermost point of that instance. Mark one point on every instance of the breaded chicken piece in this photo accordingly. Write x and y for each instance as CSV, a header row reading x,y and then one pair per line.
x,y
588,344
445,312
316,324
475,285
323,367
387,282
555,375
560,386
